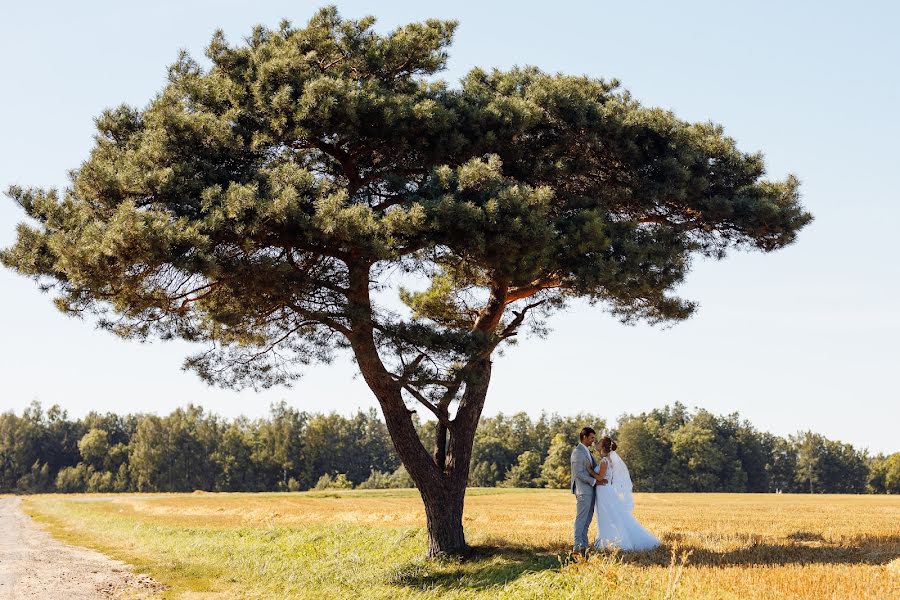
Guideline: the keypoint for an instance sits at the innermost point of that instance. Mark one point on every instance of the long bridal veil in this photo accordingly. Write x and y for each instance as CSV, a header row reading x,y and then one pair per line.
x,y
616,525
621,481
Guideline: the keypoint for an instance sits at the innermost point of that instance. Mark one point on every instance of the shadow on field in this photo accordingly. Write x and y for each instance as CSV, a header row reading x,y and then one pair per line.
x,y
496,565
485,567
798,548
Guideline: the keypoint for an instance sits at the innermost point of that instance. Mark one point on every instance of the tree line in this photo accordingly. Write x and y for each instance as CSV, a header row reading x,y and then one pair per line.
x,y
670,449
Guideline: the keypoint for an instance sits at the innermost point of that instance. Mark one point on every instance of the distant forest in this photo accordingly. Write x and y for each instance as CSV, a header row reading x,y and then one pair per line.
x,y
667,450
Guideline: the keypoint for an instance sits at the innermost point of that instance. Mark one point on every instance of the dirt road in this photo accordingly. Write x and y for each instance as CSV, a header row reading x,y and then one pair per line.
x,y
35,565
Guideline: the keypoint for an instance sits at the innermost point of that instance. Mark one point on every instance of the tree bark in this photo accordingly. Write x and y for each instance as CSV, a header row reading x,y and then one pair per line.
x,y
440,445
443,516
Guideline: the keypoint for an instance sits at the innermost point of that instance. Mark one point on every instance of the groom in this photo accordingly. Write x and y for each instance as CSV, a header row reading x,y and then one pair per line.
x,y
583,485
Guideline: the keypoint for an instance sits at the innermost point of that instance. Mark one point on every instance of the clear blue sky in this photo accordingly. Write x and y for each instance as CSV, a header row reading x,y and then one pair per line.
x,y
805,338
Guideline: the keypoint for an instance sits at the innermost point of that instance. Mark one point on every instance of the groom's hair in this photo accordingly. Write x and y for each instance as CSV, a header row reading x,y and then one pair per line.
x,y
585,431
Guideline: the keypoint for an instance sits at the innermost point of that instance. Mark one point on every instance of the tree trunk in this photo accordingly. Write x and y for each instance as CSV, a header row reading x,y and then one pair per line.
x,y
444,503
443,516
443,490
442,486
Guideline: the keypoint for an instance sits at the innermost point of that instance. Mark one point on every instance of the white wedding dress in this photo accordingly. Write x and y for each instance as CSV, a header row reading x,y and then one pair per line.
x,y
616,525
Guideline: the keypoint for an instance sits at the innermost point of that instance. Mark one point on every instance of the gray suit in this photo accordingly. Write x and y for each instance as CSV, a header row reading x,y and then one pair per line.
x,y
583,486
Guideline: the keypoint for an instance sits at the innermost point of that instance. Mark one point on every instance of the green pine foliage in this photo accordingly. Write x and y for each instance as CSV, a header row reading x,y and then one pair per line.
x,y
226,210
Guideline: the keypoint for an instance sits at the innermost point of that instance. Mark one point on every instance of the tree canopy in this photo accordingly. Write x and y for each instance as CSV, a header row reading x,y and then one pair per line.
x,y
223,210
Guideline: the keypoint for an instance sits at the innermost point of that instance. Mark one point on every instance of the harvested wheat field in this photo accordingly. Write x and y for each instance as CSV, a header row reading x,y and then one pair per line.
x,y
371,544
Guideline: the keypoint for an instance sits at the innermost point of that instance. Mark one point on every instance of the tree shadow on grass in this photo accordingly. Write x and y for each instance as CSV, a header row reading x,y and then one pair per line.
x,y
486,566
799,548
490,566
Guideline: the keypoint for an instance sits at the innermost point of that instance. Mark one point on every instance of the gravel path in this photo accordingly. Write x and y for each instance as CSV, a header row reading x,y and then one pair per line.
x,y
35,565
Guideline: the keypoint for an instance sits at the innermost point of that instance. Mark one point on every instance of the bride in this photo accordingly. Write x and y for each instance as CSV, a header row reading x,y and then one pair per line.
x,y
616,526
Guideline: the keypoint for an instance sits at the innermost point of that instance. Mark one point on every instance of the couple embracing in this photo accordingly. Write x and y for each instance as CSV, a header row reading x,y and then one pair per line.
x,y
604,487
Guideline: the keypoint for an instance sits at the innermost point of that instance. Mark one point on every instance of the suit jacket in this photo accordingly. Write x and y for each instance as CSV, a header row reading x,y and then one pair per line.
x,y
583,463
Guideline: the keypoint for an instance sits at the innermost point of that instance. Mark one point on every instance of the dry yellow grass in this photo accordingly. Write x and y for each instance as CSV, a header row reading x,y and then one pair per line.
x,y
738,545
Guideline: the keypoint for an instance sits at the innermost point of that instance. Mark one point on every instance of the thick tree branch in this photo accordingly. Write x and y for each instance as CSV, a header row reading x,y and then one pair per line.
x,y
393,201
489,316
195,290
325,66
452,389
440,446
525,291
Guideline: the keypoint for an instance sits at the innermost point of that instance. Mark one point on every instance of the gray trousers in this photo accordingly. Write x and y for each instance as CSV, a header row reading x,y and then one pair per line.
x,y
584,512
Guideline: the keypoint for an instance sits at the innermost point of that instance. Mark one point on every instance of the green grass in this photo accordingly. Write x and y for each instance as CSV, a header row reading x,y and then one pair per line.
x,y
314,561
371,544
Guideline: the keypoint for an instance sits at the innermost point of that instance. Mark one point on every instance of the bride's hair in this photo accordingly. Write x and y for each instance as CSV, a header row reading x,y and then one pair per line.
x,y
607,444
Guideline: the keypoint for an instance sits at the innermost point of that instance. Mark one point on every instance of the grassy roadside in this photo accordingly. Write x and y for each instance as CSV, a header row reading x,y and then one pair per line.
x,y
370,543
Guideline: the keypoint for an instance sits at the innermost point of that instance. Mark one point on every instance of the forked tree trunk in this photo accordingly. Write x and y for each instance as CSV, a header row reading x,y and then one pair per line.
x,y
444,500
442,487
443,490
441,476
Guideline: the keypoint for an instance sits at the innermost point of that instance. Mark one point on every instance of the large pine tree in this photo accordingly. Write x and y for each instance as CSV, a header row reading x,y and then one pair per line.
x,y
255,206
